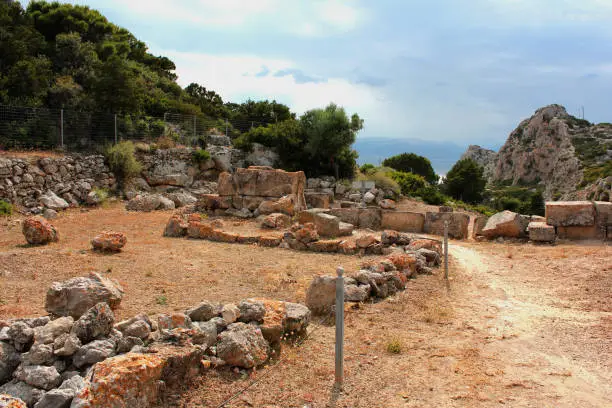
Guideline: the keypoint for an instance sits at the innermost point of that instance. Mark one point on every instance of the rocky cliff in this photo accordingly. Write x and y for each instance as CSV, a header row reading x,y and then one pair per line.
x,y
568,157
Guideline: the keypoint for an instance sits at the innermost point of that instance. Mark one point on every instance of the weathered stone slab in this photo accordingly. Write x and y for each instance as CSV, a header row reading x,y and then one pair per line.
x,y
541,232
570,213
348,215
505,224
369,218
457,224
578,232
318,200
327,225
309,215
603,209
479,223
403,221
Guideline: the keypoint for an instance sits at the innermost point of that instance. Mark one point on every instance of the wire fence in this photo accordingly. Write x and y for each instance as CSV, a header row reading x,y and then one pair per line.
x,y
45,128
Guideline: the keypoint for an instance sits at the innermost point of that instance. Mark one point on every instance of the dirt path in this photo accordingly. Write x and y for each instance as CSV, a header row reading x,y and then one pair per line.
x,y
538,342
516,326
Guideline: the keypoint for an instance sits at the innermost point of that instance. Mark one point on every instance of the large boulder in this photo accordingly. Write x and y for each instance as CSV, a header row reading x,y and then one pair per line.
x,y
38,231
327,225
145,202
242,345
181,198
204,311
570,213
479,223
77,295
133,380
38,376
505,224
91,353
109,241
321,294
541,232
52,201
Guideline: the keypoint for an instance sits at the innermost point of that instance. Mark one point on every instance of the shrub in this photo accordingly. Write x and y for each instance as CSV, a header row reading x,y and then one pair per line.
x,y
101,193
382,180
412,163
200,156
465,181
409,183
394,346
161,300
509,203
122,161
432,195
165,143
367,168
6,208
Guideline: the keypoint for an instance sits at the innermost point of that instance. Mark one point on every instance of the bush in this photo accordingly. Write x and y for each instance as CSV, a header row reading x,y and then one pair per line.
x,y
509,203
367,168
200,156
432,195
165,143
382,180
6,208
122,161
465,181
412,163
101,193
394,346
409,183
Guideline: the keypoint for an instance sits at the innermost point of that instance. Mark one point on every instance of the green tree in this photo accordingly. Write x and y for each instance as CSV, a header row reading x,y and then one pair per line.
x,y
413,163
465,181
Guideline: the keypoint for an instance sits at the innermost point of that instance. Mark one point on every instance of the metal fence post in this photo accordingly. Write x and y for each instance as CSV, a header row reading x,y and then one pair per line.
x,y
446,250
115,128
62,128
339,328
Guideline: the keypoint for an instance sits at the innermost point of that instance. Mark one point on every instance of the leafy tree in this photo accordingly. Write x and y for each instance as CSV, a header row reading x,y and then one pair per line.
x,y
465,181
410,183
210,102
412,163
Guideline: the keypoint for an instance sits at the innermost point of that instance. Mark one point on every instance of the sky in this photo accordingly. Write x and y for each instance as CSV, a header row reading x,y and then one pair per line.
x,y
437,73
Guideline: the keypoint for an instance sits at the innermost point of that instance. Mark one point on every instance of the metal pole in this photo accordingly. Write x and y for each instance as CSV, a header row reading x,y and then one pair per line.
x,y
340,328
62,128
446,250
115,128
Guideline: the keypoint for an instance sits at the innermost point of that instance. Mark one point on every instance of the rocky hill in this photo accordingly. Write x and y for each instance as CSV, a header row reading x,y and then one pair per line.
x,y
569,158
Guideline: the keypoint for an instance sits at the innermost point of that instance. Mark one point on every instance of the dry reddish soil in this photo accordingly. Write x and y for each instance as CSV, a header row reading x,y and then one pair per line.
x,y
517,325
158,274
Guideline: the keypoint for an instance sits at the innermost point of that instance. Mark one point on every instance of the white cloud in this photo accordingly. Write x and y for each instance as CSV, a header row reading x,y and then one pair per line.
x,y
543,12
235,78
302,17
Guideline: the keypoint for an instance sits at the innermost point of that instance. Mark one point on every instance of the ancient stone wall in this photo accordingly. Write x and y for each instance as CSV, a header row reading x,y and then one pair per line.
x,y
24,181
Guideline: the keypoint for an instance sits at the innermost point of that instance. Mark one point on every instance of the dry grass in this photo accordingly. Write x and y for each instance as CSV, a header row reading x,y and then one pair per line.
x,y
183,271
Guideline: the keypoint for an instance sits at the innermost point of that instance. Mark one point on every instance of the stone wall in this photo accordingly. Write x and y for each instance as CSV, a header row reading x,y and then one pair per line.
x,y
24,181
79,356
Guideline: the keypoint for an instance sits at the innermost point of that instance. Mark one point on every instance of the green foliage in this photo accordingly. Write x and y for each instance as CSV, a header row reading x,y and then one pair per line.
x,y
319,142
122,161
594,173
479,208
367,168
394,346
588,149
431,195
409,183
412,163
102,194
6,208
200,156
382,180
465,181
161,300
522,199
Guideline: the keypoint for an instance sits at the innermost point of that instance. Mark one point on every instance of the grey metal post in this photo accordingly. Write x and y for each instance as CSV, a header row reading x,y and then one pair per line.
x,y
339,328
62,128
446,250
115,128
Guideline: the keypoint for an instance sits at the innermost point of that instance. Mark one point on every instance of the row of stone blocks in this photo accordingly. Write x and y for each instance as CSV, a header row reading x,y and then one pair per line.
x,y
573,220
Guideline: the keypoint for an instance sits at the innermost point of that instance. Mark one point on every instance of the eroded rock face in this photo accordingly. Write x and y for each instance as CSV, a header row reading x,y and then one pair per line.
x,y
75,296
109,241
38,231
242,345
